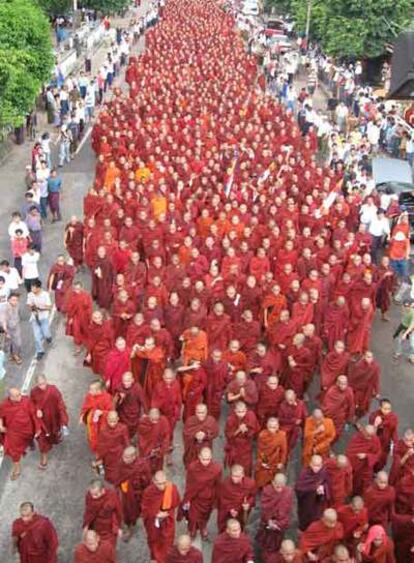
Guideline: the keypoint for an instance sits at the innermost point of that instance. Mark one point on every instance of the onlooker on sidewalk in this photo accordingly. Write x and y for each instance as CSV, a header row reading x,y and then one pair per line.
x,y
30,270
405,332
379,229
10,322
19,246
42,175
64,140
17,223
40,305
54,186
11,275
34,222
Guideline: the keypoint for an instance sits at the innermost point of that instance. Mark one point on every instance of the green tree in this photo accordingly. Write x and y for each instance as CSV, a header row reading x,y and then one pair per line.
x,y
108,6
55,7
26,58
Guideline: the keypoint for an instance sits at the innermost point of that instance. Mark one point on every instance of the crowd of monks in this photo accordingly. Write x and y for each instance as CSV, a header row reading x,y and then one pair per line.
x,y
226,294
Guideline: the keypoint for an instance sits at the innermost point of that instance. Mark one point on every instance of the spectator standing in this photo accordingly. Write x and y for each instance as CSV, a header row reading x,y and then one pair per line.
x,y
405,332
11,275
54,185
10,322
40,304
30,271
19,245
34,223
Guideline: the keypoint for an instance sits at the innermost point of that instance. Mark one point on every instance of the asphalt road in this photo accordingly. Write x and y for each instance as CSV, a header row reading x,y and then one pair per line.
x,y
59,491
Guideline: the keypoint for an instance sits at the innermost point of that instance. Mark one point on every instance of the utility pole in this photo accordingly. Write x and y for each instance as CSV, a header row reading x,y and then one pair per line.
x,y
308,21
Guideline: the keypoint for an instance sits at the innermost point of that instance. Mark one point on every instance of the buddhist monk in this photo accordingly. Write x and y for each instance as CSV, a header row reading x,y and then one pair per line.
x,y
359,333
102,279
133,476
336,322
241,427
288,553
94,550
118,362
34,536
377,546
236,498
292,415
51,412
155,365
386,423
201,490
184,552
313,491
340,476
321,537
339,404
129,401
218,328
96,405
167,398
334,364
102,512
363,452
74,233
341,554
78,308
159,503
379,498
271,395
19,426
194,345
233,545
403,535
153,438
403,457
99,342
242,388
113,438
217,373
364,378
300,365
271,452
60,279
193,385
200,430
275,517
318,435
354,519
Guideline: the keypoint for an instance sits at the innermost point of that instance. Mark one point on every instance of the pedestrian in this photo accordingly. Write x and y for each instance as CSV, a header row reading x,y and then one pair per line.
x,y
30,271
405,332
54,186
64,142
17,223
379,229
40,304
11,275
10,322
34,222
42,175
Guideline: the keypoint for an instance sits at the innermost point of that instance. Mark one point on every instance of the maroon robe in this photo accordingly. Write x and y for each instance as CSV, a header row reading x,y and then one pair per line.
x,y
104,554
364,378
130,405
363,469
312,504
269,403
102,286
193,556
292,419
132,479
380,504
232,496
239,447
111,443
232,550
153,440
275,506
99,344
74,242
333,365
53,408
387,433
104,515
218,331
117,363
21,423
37,541
192,445
217,373
339,406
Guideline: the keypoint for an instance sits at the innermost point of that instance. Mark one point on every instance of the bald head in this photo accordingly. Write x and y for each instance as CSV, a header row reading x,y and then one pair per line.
x,y
184,544
330,517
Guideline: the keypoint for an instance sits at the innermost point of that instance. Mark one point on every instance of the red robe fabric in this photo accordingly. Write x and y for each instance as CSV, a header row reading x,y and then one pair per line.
x,y
403,534
232,550
160,539
62,280
102,286
53,408
312,504
321,540
104,554
340,481
117,363
21,424
193,556
364,378
269,403
130,404
353,522
218,331
154,440
110,445
92,403
132,479
232,496
339,406
239,446
359,333
275,506
104,515
192,445
336,323
292,419
387,433
74,242
78,313
167,398
201,492
37,541
217,373
334,364
99,343
363,469
380,504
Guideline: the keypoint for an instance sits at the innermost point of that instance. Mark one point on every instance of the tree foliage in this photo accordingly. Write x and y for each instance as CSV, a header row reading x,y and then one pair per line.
x,y
108,6
26,58
352,28
55,7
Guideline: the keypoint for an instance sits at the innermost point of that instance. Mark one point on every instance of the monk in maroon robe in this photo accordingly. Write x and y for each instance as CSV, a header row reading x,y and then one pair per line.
x,y
167,398
334,364
287,554
184,552
336,322
118,362
217,372
403,534
275,517
200,430
201,490
300,364
74,232
313,492
218,328
102,279
102,512
123,311
233,545
321,537
18,425
193,384
386,423
236,498
159,503
34,536
113,438
379,498
359,333
354,519
99,343
51,412
403,457
94,550
271,395
340,476
241,427
78,313
339,404
133,477
154,438
60,279
130,402
364,378
363,452
292,415
242,388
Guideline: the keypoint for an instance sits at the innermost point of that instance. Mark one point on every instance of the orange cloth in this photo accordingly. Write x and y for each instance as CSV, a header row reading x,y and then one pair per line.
x,y
271,451
194,347
317,438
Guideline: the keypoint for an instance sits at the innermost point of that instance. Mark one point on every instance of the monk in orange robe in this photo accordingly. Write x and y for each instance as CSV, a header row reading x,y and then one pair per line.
x,y
318,435
96,406
159,503
271,452
195,345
